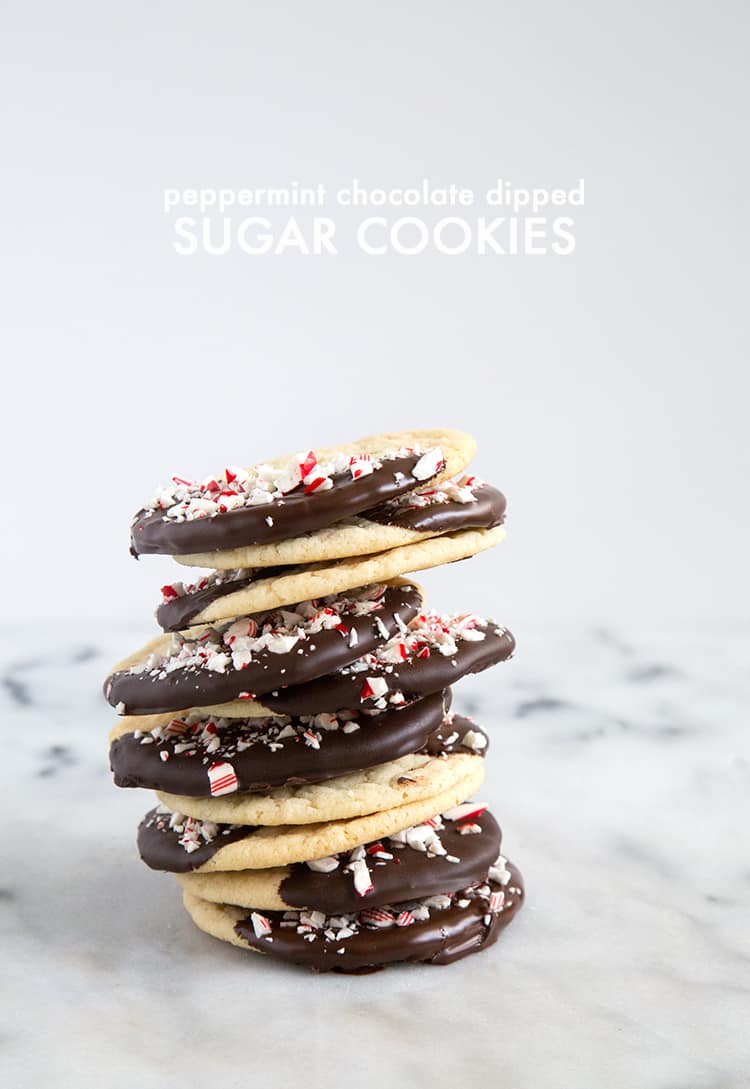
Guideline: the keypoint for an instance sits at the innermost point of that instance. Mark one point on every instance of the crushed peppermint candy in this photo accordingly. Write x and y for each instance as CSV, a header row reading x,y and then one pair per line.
x,y
189,500
174,590
191,832
315,926
423,837
209,737
428,633
233,644
446,491
499,872
261,925
430,464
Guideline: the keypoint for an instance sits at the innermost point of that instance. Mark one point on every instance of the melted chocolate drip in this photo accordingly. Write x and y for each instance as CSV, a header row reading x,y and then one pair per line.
x,y
411,875
295,514
416,677
380,738
144,694
445,937
486,512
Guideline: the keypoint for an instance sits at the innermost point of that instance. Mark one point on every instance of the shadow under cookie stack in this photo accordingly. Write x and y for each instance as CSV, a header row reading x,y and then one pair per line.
x,y
295,718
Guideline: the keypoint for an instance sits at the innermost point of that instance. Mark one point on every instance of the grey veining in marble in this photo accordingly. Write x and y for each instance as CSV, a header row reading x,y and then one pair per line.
x,y
620,771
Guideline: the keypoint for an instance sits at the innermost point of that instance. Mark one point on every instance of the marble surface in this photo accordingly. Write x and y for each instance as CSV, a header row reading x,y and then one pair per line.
x,y
620,771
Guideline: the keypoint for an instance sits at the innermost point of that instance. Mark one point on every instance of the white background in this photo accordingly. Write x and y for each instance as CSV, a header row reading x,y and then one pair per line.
x,y
606,389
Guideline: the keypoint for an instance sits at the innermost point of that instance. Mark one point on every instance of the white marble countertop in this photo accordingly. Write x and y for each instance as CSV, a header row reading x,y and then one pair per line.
x,y
620,773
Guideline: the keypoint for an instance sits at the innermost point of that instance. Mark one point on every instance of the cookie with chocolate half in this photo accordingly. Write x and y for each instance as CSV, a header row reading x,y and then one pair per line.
x,y
259,754
429,654
222,594
293,495
410,778
446,507
431,930
218,847
445,853
255,654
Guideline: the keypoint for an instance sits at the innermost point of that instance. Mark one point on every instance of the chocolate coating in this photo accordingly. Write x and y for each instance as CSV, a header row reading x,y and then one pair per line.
x,y
381,737
144,694
177,614
297,513
416,678
159,847
486,512
445,937
411,875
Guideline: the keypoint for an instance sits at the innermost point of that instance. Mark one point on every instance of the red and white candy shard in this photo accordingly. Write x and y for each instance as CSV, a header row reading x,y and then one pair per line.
x,y
361,875
373,688
187,500
405,918
360,465
261,925
221,779
430,463
497,899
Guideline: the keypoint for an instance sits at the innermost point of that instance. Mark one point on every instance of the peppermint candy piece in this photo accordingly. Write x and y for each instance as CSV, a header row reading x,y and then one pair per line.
x,y
405,918
430,463
378,918
323,865
361,875
361,465
261,925
374,687
222,779
497,899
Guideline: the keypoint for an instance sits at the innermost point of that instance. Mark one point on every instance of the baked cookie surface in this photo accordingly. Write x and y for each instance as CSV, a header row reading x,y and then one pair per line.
x,y
410,778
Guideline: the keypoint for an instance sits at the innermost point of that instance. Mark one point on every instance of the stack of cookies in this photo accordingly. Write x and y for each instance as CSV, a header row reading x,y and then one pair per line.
x,y
295,717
